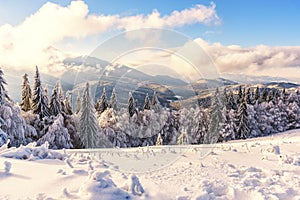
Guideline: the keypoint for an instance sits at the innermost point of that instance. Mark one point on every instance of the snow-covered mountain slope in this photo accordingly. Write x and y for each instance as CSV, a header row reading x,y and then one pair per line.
x,y
260,168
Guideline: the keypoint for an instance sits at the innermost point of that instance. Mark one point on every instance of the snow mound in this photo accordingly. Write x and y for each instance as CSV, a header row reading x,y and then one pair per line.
x,y
134,186
32,152
100,184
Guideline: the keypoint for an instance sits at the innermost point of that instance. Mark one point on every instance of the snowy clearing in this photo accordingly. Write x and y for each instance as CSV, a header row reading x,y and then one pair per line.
x,y
259,168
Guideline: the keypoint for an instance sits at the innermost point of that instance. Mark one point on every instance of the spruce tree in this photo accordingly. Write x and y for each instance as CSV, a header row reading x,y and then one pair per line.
x,y
242,121
3,92
102,104
78,103
131,107
55,104
67,104
88,122
113,100
39,103
26,94
216,120
146,103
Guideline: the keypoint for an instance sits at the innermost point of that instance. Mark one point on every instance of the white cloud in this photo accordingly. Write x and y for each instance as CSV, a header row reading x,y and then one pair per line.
x,y
282,61
26,44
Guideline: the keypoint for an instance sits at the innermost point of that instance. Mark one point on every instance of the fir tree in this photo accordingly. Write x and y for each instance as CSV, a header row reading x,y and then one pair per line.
x,y
26,94
55,104
78,103
146,103
102,105
216,120
242,122
88,122
3,92
67,104
39,103
271,96
131,107
113,100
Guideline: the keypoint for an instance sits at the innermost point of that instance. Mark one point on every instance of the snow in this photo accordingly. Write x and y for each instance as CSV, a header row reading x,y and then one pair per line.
x,y
258,168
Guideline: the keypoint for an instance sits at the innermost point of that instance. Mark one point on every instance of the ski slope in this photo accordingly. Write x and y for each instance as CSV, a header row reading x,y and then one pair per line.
x,y
258,168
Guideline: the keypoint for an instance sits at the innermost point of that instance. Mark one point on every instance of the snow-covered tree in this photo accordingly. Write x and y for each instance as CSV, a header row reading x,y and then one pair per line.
x,y
102,104
39,102
231,103
239,98
216,120
3,92
78,103
183,138
242,121
57,135
257,94
67,104
26,94
155,104
264,95
159,140
229,126
55,104
113,100
46,94
88,121
131,107
146,103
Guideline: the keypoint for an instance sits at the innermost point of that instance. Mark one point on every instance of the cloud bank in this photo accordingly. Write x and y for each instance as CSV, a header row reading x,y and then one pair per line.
x,y
278,61
27,44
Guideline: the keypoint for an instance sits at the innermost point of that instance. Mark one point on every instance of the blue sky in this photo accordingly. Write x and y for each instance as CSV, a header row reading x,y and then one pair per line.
x,y
245,23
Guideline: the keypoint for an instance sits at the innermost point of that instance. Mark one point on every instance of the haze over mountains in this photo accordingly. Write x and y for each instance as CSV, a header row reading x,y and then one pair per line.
x,y
100,73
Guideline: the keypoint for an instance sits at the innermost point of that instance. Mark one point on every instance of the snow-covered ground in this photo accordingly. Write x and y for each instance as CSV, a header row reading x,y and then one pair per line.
x,y
260,168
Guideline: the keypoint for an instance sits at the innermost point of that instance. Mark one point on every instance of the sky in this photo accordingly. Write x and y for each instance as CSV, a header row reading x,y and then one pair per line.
x,y
250,36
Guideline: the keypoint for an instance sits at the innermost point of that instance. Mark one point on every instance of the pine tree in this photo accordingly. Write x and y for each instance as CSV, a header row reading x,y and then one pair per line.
x,y
102,105
146,103
159,140
216,120
3,92
78,103
131,107
88,122
55,104
242,122
271,96
60,94
113,100
26,94
67,104
39,103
